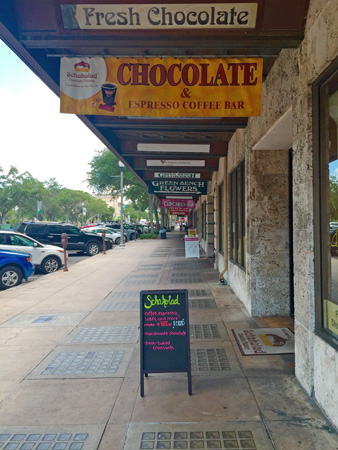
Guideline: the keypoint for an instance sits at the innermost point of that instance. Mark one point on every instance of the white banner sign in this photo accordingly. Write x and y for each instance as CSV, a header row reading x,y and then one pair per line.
x,y
175,162
159,16
176,175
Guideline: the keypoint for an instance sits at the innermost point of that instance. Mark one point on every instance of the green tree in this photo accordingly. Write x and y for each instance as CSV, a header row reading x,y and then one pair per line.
x,y
104,177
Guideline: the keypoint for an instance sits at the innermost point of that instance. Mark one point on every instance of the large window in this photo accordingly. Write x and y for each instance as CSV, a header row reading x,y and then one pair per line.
x,y
204,219
326,210
237,215
221,218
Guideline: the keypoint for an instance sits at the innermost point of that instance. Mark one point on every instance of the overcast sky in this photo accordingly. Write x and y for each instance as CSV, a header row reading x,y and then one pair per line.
x,y
34,136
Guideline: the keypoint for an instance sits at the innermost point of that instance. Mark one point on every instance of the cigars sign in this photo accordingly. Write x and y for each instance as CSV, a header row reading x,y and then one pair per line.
x,y
117,17
161,87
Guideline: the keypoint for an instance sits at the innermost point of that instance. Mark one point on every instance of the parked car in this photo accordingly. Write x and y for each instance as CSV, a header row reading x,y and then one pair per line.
x,y
47,258
78,240
14,266
130,233
115,235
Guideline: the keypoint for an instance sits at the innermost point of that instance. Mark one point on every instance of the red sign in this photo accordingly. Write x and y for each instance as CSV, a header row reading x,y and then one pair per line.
x,y
179,211
176,203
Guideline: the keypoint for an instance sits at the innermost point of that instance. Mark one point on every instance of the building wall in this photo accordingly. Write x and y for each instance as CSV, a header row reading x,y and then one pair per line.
x,y
264,287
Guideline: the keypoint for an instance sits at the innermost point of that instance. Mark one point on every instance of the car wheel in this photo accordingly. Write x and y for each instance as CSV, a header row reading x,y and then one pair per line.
x,y
93,248
117,241
50,264
10,276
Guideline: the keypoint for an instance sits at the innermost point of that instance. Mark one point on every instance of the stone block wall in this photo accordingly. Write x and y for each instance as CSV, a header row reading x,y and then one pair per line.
x,y
289,84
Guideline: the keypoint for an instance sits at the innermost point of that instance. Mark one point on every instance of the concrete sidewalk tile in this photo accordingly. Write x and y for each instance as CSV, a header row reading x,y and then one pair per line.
x,y
281,398
108,318
59,402
17,362
124,405
302,435
32,336
213,399
44,320
114,437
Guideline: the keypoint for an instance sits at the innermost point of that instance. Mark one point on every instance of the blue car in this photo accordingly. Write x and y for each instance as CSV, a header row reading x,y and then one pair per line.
x,y
14,266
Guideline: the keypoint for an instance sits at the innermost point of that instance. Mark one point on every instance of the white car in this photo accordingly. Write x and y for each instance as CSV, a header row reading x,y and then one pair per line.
x,y
47,258
115,235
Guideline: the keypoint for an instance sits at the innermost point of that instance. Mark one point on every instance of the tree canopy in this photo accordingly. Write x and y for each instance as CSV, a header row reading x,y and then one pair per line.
x,y
21,193
105,178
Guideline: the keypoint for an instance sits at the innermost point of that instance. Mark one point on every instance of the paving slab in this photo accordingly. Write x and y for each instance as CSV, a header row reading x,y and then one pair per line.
x,y
32,336
60,402
302,436
227,435
281,398
213,399
43,320
17,362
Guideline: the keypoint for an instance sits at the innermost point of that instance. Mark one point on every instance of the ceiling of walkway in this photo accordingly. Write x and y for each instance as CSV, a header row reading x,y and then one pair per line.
x,y
34,30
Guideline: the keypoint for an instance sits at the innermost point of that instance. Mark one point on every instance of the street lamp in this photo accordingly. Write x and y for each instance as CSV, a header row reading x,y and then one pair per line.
x,y
121,165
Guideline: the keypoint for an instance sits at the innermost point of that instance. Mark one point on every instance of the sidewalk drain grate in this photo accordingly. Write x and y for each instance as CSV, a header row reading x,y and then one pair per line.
x,y
103,335
224,436
200,293
202,303
139,275
44,319
120,306
183,280
44,441
198,439
158,255
150,267
123,294
205,331
84,363
143,281
209,359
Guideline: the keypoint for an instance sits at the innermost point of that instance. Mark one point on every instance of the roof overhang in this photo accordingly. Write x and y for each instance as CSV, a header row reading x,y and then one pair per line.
x,y
36,33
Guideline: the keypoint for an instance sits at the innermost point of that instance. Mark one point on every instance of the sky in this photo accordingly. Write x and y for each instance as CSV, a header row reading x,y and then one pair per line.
x,y
34,136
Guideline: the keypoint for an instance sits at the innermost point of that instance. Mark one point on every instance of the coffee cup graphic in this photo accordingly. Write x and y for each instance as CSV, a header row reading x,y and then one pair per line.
x,y
109,93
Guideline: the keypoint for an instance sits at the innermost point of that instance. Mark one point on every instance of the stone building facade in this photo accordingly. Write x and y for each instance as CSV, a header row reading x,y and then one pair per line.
x,y
277,268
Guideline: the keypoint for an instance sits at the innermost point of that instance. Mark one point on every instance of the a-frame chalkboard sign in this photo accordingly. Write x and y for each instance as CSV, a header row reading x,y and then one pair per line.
x,y
165,337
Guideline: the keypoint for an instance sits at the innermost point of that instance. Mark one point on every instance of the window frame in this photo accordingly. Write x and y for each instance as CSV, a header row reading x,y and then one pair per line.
x,y
320,210
237,215
221,218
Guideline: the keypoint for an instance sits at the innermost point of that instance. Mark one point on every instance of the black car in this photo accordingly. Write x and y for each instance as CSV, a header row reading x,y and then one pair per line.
x,y
50,233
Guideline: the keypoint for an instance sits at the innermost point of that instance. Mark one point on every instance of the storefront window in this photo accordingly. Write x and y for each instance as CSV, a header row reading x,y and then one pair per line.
x,y
327,308
221,217
204,218
237,215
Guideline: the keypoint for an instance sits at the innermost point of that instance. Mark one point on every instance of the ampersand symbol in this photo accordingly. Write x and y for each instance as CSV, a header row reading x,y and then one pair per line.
x,y
186,93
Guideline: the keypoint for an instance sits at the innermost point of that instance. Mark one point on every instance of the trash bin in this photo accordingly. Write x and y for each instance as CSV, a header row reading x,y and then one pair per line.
x,y
163,233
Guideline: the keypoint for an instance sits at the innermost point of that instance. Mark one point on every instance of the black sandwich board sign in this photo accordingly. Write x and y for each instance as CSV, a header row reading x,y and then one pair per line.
x,y
165,338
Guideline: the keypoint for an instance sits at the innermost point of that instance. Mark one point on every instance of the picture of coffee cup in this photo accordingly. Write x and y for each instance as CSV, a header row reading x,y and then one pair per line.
x,y
109,93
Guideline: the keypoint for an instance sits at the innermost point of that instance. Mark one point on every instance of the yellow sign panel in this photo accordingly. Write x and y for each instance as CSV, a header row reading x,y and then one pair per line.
x,y
332,316
162,87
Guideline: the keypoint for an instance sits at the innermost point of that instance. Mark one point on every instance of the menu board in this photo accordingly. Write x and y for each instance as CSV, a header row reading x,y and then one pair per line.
x,y
165,339
192,247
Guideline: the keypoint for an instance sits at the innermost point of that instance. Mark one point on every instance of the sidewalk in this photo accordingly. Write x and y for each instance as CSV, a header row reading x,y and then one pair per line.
x,y
69,364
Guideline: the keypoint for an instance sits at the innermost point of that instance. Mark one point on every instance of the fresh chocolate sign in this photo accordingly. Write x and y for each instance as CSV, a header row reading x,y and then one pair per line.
x,y
165,341
159,17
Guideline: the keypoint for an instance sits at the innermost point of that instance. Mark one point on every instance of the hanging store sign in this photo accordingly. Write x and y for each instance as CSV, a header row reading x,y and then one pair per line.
x,y
117,17
179,212
176,187
176,175
176,203
161,87
175,162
